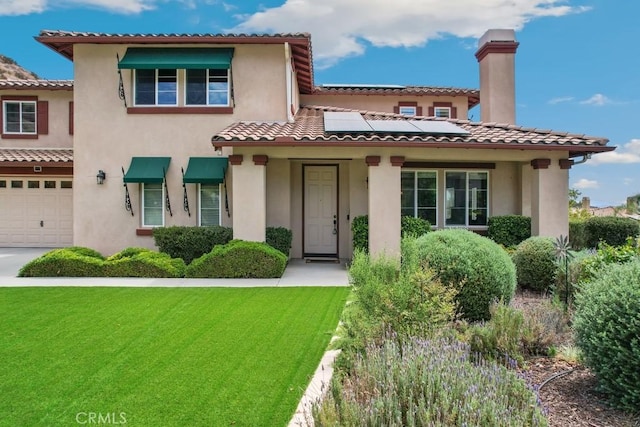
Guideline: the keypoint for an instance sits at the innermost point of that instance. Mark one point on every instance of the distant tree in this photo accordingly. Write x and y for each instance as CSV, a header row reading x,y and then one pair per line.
x,y
574,198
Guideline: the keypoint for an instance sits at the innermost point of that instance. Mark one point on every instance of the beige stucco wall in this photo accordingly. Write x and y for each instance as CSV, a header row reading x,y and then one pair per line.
x,y
106,138
504,183
385,103
550,200
58,136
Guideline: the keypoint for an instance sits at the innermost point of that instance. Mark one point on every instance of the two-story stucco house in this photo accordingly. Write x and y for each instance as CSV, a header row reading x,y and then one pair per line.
x,y
232,130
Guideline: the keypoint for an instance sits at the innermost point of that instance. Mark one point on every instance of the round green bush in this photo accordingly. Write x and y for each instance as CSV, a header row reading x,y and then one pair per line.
x,y
66,262
140,262
536,265
479,267
239,259
607,327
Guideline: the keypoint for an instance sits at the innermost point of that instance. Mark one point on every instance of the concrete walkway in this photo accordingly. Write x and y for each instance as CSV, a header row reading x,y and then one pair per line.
x,y
297,273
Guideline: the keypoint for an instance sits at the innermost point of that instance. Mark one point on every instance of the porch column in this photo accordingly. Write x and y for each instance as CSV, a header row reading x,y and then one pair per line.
x,y
249,197
525,189
384,205
549,198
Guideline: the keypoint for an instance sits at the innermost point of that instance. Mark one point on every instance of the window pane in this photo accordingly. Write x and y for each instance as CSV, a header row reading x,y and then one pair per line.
x,y
408,111
209,204
3,184
167,87
33,184
478,200
455,198
442,112
145,87
218,87
407,188
196,87
66,184
152,206
20,117
49,184
16,184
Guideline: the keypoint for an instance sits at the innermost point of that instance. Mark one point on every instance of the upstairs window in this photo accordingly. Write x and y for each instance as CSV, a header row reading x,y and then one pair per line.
x,y
156,87
444,112
407,110
207,87
19,117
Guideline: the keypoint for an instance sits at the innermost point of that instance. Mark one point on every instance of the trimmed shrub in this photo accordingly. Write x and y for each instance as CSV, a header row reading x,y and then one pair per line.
x,y
427,383
475,265
610,229
606,322
139,262
189,243
81,250
509,230
239,259
409,226
578,234
577,274
606,255
279,238
66,262
536,265
415,227
360,230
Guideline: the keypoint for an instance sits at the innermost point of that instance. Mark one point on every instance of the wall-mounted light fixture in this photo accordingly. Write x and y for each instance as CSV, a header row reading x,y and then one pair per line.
x,y
101,177
218,150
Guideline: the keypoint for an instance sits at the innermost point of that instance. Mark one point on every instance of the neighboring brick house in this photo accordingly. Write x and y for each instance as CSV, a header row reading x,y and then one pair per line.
x,y
231,130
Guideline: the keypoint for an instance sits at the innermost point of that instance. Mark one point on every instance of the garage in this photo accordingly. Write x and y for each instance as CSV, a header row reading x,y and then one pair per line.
x,y
36,211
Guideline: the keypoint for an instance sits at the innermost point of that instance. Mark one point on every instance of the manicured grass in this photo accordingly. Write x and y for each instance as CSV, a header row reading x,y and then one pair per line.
x,y
161,357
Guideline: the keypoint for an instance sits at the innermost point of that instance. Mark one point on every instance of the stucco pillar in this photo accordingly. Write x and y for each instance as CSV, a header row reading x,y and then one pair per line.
x,y
249,197
384,205
525,189
549,198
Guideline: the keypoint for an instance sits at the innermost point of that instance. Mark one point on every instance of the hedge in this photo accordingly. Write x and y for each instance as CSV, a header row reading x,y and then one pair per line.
x,y
279,238
239,259
409,226
509,230
67,262
189,243
610,229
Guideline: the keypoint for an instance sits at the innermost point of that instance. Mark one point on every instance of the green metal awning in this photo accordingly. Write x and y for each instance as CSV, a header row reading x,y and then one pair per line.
x,y
150,58
148,170
205,170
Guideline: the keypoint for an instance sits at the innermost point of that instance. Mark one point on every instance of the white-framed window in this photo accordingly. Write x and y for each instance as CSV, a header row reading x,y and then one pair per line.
x,y
466,198
419,195
208,204
156,87
207,87
444,112
152,205
19,117
408,110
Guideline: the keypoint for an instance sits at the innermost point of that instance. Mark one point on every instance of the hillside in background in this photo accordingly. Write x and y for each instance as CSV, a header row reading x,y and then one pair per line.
x,y
9,69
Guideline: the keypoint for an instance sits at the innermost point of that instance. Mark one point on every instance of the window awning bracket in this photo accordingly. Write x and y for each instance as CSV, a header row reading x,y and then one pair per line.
x,y
127,197
166,192
121,93
185,201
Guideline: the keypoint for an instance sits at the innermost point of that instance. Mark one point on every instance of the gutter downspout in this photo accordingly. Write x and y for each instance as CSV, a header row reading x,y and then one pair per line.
x,y
585,157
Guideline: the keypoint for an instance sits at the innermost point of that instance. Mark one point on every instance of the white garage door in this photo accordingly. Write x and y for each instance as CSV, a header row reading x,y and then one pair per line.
x,y
36,212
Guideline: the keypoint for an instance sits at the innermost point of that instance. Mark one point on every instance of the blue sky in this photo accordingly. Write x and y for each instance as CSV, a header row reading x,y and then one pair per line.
x,y
577,67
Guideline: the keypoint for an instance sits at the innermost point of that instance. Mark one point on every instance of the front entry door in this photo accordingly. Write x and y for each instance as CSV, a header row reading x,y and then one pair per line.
x,y
320,210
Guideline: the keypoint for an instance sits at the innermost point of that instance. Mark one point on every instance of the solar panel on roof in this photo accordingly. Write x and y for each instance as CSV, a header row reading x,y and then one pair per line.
x,y
345,122
400,126
438,126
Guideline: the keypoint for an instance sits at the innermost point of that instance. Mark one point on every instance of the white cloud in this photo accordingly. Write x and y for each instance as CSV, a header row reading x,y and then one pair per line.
x,y
21,7
627,153
583,184
560,99
597,100
25,7
342,28
628,181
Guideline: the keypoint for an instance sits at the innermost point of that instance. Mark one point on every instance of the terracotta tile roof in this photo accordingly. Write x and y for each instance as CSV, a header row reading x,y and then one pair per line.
x,y
37,84
36,155
308,129
472,94
300,43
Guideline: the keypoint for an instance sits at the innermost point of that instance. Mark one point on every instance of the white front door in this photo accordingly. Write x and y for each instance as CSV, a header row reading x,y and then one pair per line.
x,y
321,210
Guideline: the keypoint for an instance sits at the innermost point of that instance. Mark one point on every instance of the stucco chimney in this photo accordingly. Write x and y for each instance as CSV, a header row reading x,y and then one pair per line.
x,y
586,203
496,56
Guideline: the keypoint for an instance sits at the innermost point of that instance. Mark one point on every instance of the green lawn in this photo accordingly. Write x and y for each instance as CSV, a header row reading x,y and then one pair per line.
x,y
160,357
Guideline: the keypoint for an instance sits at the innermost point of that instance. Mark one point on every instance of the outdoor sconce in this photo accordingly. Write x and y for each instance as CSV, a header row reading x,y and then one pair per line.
x,y
101,177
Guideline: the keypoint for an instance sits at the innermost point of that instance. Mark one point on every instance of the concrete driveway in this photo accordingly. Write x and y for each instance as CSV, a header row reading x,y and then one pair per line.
x,y
12,259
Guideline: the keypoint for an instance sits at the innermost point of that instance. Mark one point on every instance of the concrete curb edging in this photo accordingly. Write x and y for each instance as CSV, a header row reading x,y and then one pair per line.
x,y
316,390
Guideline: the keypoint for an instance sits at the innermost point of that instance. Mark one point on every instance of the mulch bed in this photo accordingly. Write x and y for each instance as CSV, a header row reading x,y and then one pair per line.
x,y
571,398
